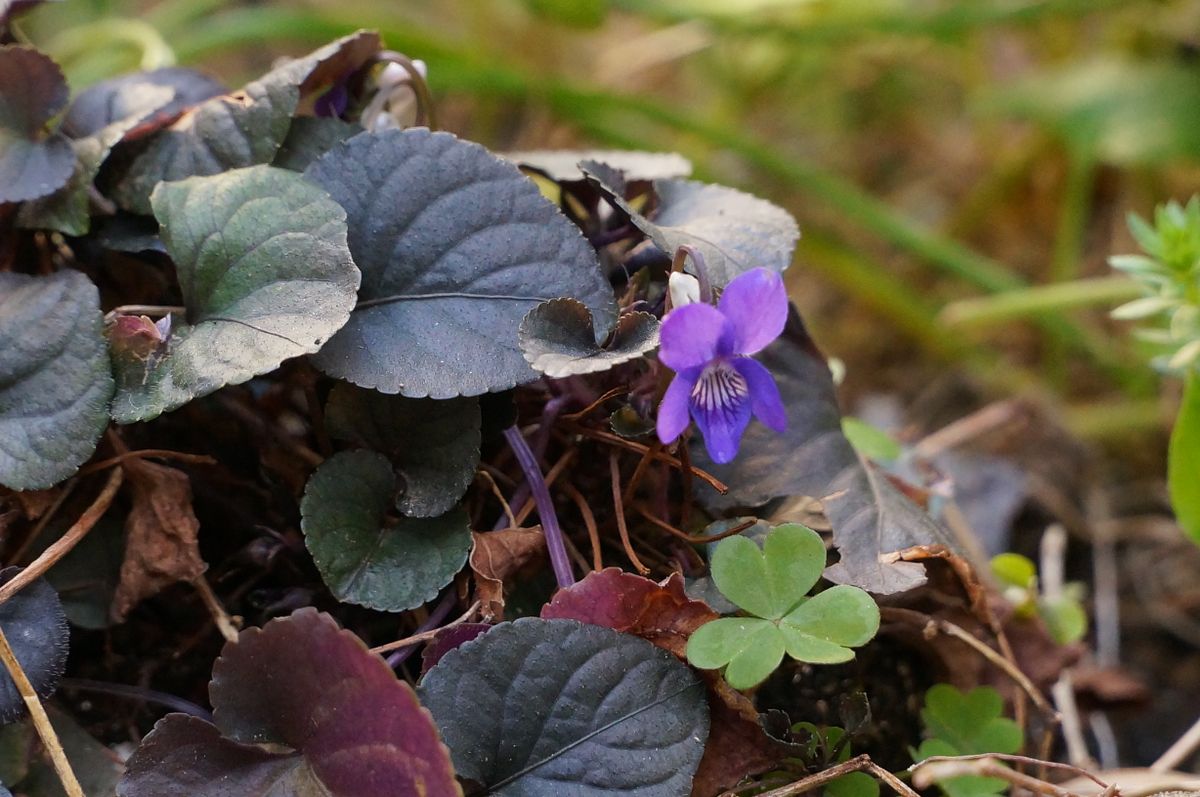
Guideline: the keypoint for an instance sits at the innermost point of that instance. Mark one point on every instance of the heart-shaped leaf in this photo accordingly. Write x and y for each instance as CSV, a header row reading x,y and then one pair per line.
x,y
265,274
558,338
771,581
773,584
547,707
55,377
967,723
116,99
32,163
433,444
36,628
240,129
734,231
67,210
303,683
564,166
455,245
870,517
362,556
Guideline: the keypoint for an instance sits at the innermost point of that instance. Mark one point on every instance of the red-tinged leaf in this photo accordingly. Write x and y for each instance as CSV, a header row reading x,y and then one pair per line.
x,y
447,640
498,555
303,683
659,612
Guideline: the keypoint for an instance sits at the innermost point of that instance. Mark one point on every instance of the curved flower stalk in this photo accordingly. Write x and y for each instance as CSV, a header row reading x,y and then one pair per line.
x,y
716,383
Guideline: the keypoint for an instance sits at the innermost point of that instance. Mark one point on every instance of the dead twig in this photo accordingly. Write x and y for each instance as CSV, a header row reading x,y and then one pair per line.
x,y
425,636
41,722
934,625
935,768
661,456
614,471
63,545
862,763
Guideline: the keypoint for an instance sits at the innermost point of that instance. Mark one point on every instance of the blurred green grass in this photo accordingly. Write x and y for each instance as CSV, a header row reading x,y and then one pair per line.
x,y
960,170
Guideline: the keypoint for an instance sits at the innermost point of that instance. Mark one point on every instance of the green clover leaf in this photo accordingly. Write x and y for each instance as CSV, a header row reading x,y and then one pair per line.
x,y
772,586
967,723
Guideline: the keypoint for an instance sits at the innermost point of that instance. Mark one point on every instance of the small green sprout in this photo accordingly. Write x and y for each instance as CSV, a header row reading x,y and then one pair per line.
x,y
827,747
1169,272
1063,615
967,723
771,585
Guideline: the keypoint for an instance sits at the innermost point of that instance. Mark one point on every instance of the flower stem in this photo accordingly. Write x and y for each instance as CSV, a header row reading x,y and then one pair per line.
x,y
684,252
545,506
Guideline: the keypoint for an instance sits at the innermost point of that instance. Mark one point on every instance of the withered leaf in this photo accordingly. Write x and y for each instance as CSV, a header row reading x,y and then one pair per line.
x,y
161,529
495,556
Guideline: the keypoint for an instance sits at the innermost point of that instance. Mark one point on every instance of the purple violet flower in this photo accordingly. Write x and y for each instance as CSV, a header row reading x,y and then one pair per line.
x,y
716,382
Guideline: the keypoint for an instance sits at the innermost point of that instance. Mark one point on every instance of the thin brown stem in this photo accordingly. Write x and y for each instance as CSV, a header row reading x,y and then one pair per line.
x,y
640,471
41,722
1018,759
611,394
45,519
508,513
694,540
63,545
661,456
425,636
225,624
146,453
857,764
614,471
589,522
936,624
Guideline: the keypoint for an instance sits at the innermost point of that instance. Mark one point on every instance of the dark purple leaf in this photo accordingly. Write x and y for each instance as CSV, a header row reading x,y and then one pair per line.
x,y
118,98
33,163
303,683
447,640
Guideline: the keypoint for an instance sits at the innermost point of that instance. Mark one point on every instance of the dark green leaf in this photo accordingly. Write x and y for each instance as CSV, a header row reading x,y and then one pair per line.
x,y
302,683
309,138
240,129
575,709
67,210
455,246
86,578
362,557
265,274
558,338
97,767
813,458
36,628
1183,468
32,90
55,378
563,166
734,231
967,723
434,444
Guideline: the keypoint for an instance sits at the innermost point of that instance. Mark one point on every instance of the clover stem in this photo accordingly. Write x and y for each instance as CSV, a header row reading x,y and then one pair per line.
x,y
681,254
545,506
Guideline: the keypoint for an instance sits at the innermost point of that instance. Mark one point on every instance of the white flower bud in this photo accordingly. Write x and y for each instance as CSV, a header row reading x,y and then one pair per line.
x,y
683,288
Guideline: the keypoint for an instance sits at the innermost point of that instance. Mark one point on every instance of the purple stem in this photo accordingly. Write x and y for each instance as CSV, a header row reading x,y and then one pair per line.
x,y
545,506
550,412
439,613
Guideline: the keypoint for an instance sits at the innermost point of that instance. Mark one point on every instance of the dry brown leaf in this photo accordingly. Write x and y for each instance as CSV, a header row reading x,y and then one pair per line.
x,y
161,529
496,555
